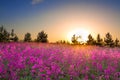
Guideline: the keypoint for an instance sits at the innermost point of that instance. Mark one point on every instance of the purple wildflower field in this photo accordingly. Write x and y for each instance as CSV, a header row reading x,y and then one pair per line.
x,y
36,61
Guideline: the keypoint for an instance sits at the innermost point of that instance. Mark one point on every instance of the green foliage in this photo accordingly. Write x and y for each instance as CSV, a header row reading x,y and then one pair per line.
x,y
99,40
108,40
42,37
26,78
4,35
15,39
12,33
62,42
67,77
90,41
75,39
27,37
13,36
116,42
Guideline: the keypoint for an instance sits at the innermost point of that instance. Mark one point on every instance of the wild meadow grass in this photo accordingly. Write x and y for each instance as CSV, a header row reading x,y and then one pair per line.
x,y
36,61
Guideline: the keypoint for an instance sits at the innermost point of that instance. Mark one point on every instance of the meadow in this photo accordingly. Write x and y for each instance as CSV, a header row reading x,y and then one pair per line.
x,y
37,61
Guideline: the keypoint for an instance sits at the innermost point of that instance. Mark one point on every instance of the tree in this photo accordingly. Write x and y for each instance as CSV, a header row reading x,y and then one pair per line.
x,y
108,40
27,37
116,42
1,29
42,37
99,40
74,39
1,33
12,33
15,39
13,36
4,35
90,40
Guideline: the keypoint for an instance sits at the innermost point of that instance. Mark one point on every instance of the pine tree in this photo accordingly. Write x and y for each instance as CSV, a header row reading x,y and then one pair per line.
x,y
42,37
15,39
4,35
27,37
12,33
116,42
13,36
90,40
108,40
74,39
99,40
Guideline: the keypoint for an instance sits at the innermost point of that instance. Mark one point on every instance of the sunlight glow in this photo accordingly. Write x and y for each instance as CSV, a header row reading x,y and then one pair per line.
x,y
83,33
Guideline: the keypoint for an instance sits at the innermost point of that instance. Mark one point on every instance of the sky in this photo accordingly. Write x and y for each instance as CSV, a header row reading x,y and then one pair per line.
x,y
60,19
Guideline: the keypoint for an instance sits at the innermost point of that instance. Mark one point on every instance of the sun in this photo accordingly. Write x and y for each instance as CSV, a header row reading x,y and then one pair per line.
x,y
79,32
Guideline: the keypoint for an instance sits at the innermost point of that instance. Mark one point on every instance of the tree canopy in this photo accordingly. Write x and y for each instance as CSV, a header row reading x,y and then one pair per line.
x,y
42,37
27,37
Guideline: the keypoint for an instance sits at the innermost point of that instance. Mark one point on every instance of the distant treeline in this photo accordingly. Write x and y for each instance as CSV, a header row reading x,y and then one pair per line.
x,y
107,41
6,36
42,37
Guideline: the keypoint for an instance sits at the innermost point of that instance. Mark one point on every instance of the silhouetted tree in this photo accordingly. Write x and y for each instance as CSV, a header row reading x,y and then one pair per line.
x,y
99,40
62,42
4,35
15,39
74,39
116,42
13,36
12,33
1,33
27,37
108,40
42,37
35,40
90,41
1,29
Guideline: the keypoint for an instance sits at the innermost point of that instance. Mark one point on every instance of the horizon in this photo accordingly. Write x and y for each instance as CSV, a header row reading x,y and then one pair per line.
x,y
61,19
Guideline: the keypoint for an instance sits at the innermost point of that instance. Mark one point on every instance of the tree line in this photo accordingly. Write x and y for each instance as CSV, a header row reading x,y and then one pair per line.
x,y
107,41
6,36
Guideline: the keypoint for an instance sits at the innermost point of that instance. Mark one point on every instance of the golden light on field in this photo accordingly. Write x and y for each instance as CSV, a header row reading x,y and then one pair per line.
x,y
81,33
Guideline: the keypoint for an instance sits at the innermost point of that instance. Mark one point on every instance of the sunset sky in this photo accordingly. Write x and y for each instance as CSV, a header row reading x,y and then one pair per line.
x,y
61,18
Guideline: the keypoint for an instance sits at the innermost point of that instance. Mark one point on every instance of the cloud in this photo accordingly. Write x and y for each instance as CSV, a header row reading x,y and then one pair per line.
x,y
36,1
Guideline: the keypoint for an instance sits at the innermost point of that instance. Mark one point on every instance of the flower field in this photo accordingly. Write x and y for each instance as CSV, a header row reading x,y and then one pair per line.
x,y
36,61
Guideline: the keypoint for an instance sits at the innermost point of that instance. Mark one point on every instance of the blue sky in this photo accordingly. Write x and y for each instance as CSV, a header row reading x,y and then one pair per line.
x,y
100,16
